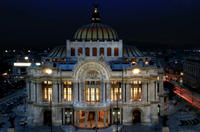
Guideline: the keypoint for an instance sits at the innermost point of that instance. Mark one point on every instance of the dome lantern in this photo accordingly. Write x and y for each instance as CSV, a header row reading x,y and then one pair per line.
x,y
96,31
96,16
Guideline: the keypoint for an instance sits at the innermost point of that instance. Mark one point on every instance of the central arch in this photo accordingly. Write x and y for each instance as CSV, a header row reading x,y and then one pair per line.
x,y
82,68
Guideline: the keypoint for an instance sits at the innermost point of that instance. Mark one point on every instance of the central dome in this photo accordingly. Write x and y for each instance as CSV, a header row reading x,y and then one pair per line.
x,y
95,30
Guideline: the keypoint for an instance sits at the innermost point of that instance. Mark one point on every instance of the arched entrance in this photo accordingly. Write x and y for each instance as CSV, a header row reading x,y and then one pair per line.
x,y
47,117
136,116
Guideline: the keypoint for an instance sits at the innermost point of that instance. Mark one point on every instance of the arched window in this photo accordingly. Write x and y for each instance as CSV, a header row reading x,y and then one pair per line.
x,y
116,52
94,51
72,51
80,51
109,52
87,51
101,51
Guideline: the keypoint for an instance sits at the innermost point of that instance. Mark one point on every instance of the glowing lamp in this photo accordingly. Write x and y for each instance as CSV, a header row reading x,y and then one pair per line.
x,y
38,64
136,71
181,73
26,58
48,71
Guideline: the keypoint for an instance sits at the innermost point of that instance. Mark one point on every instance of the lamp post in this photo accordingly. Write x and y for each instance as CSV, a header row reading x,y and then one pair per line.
x,y
49,71
51,110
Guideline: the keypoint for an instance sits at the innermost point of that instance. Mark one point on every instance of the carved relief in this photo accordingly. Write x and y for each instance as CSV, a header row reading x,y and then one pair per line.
x,y
92,75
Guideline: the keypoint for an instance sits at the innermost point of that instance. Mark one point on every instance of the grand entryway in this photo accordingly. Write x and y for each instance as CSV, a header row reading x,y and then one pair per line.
x,y
136,116
91,119
47,117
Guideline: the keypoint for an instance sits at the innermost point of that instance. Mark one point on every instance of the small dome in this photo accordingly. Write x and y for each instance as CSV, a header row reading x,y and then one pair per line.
x,y
94,32
58,52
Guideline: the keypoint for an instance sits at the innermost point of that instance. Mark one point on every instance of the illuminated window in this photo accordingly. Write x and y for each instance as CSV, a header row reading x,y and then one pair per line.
x,y
101,51
67,91
116,53
94,51
109,52
47,91
92,94
136,91
116,91
80,51
72,51
87,51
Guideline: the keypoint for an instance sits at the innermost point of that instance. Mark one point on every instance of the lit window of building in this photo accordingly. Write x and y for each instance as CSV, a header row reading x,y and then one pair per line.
x,y
47,91
109,52
67,91
80,51
101,51
116,91
136,91
72,51
87,51
94,51
116,52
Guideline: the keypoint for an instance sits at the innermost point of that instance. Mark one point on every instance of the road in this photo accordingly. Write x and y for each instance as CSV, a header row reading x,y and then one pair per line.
x,y
191,97
13,95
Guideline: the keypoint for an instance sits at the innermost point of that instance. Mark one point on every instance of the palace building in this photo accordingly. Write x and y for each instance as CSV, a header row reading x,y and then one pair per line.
x,y
94,81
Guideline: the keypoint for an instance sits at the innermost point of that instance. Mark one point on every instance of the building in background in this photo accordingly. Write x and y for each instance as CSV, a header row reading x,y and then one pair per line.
x,y
95,81
192,72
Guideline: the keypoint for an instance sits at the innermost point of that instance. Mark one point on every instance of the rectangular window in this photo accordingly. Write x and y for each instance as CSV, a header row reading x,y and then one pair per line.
x,y
92,94
87,51
47,91
109,53
67,91
80,51
101,51
94,51
116,53
136,91
72,51
116,91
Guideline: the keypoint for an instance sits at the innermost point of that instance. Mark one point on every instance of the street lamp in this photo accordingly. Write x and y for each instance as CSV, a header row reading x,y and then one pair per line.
x,y
51,110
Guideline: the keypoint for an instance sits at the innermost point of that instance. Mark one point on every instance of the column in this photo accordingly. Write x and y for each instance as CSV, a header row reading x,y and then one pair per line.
x,y
90,51
128,92
85,119
98,52
80,86
104,118
39,92
120,116
103,91
96,119
123,92
108,113
36,95
144,92
108,90
55,92
112,51
83,54
77,115
60,91
75,91
33,90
